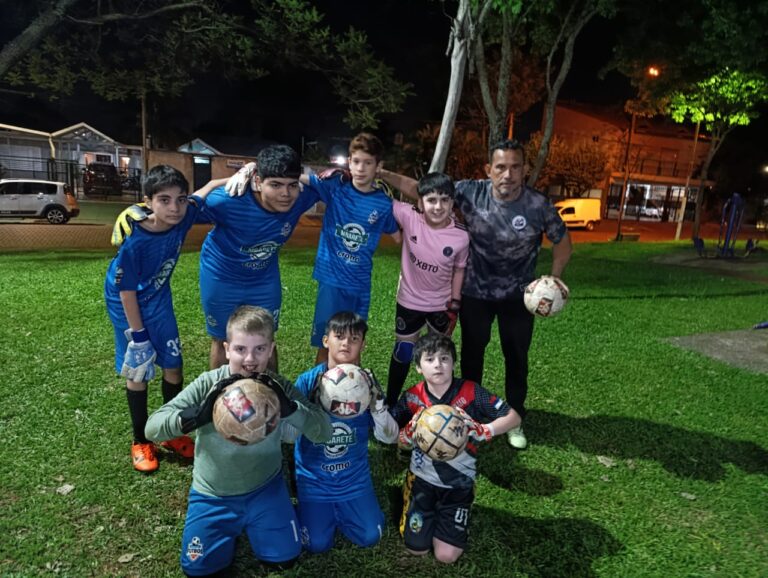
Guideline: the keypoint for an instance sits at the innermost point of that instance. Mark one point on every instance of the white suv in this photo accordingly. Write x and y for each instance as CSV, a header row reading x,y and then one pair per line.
x,y
37,199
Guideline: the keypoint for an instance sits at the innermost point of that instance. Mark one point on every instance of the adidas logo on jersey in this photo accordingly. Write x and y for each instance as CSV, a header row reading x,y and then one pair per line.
x,y
413,239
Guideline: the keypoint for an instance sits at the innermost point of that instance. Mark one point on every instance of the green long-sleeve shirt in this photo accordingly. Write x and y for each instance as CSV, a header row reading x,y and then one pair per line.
x,y
223,468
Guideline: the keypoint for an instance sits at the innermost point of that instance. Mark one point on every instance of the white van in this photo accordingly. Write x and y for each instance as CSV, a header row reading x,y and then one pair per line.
x,y
580,212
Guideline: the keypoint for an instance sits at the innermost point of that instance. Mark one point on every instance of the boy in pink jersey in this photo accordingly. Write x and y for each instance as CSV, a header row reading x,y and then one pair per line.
x,y
435,250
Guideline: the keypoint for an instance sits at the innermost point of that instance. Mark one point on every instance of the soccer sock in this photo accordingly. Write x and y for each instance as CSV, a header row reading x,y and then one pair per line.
x,y
137,405
170,390
398,373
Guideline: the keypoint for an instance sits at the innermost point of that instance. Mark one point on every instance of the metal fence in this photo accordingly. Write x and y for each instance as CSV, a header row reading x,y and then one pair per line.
x,y
70,172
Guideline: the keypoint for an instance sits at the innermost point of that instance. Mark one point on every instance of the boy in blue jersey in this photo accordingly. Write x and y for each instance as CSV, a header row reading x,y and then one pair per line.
x,y
333,479
239,257
438,496
236,488
137,291
356,215
238,260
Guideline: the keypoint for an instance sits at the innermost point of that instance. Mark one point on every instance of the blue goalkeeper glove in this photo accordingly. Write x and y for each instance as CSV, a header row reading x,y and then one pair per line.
x,y
124,223
139,359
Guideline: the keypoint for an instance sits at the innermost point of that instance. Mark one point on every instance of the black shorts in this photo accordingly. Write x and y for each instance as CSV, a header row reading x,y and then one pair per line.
x,y
409,321
433,512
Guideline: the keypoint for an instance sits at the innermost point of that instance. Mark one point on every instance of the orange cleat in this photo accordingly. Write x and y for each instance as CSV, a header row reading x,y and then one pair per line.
x,y
143,456
182,445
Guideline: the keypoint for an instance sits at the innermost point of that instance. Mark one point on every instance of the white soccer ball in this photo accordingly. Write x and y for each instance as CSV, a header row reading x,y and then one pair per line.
x,y
345,391
441,432
546,296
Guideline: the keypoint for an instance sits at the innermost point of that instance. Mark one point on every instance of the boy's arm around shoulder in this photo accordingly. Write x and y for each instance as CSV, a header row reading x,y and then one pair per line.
x,y
309,418
406,185
164,424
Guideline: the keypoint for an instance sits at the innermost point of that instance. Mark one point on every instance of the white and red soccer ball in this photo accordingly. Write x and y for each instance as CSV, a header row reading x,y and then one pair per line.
x,y
345,391
246,412
546,296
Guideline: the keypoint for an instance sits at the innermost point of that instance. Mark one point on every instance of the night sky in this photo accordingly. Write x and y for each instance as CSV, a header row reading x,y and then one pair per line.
x,y
303,106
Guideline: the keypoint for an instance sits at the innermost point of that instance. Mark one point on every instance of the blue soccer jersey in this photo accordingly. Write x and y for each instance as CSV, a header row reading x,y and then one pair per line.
x,y
246,238
144,264
338,469
352,227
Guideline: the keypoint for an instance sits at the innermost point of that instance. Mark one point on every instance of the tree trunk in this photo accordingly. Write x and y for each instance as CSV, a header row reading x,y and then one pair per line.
x,y
553,90
459,50
713,148
32,35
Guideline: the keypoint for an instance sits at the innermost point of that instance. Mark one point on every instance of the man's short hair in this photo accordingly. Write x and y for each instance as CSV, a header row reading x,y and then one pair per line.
x,y
367,143
162,177
432,343
507,145
251,320
278,161
438,183
346,322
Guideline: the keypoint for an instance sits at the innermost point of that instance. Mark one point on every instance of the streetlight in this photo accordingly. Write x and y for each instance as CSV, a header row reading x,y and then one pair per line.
x,y
653,72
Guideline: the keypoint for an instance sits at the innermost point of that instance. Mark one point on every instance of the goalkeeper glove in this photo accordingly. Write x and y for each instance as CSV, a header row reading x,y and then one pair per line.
x,y
406,434
139,358
452,311
238,183
197,416
377,394
287,405
481,432
124,223
343,174
382,185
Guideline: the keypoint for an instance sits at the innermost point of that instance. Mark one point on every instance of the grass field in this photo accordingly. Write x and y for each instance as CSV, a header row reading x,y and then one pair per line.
x,y
645,460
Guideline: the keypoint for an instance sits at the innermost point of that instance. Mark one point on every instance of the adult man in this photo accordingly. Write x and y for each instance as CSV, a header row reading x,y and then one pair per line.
x,y
506,220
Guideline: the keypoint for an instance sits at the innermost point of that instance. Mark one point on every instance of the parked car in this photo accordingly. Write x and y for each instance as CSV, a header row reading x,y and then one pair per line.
x,y
101,179
651,210
34,198
580,212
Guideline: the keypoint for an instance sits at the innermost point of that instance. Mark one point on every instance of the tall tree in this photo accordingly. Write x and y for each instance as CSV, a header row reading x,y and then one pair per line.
x,y
123,50
721,103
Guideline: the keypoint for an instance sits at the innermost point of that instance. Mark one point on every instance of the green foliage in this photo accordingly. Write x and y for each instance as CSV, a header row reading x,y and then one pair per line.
x,y
729,98
575,165
645,459
366,85
121,56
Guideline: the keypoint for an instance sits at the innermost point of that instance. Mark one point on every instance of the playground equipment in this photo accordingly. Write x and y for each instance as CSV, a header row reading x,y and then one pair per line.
x,y
730,224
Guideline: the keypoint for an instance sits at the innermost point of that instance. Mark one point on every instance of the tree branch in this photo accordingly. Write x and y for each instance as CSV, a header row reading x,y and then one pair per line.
x,y
117,16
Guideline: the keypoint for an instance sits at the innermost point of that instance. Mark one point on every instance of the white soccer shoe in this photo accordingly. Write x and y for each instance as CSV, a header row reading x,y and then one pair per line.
x,y
516,438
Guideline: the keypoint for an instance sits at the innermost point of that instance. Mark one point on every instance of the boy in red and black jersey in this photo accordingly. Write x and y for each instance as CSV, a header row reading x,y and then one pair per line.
x,y
438,495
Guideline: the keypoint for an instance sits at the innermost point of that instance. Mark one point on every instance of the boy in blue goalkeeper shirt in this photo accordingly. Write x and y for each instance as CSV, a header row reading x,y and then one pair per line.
x,y
356,215
137,291
333,479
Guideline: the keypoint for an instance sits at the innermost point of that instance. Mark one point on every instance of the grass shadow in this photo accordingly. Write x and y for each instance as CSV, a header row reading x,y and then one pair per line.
x,y
535,547
682,452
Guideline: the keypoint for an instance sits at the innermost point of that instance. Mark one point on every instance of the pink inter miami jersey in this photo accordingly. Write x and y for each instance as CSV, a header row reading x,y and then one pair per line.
x,y
428,259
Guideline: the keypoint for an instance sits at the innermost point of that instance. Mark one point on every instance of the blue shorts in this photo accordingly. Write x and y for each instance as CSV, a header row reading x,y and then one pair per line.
x,y
359,519
331,300
221,298
163,333
214,523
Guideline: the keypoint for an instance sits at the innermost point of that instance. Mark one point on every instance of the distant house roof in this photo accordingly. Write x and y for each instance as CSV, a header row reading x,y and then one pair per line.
x,y
82,131
200,147
658,125
225,146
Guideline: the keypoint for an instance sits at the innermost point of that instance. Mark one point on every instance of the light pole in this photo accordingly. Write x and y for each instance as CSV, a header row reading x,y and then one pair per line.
x,y
626,175
653,72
